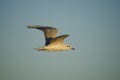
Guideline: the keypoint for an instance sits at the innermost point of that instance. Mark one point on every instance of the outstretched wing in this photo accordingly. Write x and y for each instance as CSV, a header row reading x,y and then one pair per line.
x,y
59,39
49,32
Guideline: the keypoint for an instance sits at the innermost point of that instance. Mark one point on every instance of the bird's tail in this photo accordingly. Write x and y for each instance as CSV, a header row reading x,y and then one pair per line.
x,y
33,26
39,49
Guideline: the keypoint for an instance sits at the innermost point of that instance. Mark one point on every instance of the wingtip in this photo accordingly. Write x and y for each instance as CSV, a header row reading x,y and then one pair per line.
x,y
28,26
66,35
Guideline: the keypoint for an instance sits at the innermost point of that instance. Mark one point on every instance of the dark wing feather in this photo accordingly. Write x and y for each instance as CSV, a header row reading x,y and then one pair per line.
x,y
59,39
49,32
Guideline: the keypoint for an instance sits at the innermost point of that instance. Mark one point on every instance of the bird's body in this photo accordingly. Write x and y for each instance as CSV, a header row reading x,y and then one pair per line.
x,y
53,42
51,48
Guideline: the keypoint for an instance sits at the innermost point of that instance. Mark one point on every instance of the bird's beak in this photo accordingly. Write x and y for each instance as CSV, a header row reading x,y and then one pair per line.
x,y
73,48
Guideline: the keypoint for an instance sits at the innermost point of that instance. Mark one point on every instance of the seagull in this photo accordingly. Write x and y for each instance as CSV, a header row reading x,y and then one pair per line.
x,y
52,41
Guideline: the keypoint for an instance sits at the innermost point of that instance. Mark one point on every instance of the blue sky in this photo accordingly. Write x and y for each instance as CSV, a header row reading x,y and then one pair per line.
x,y
94,28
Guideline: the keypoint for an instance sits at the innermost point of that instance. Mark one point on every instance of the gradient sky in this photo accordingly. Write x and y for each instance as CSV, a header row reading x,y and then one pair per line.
x,y
94,28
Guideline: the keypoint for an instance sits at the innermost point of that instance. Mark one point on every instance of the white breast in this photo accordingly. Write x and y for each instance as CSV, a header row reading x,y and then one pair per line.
x,y
55,47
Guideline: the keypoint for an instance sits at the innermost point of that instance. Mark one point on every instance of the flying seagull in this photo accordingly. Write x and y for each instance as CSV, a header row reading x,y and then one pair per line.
x,y
53,42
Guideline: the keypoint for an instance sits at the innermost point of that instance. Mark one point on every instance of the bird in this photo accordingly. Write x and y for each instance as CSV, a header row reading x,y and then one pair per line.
x,y
52,41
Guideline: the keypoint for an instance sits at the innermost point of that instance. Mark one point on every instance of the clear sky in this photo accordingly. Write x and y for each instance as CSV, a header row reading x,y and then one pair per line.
x,y
94,28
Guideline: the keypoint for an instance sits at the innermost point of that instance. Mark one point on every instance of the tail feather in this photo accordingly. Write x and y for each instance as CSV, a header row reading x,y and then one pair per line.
x,y
39,49
34,26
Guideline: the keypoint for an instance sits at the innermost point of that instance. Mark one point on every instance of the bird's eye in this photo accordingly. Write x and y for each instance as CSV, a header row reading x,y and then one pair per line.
x,y
68,45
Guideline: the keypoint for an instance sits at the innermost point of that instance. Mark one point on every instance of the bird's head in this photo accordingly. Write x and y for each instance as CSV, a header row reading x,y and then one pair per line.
x,y
69,47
